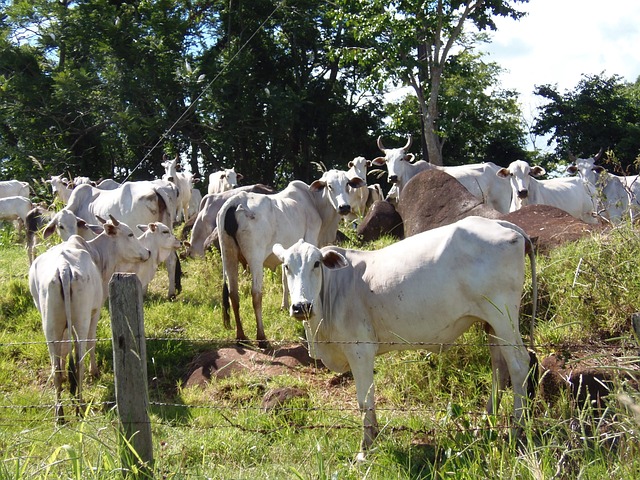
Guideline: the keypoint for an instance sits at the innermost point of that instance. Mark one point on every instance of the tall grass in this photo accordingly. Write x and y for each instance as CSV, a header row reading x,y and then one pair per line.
x,y
430,407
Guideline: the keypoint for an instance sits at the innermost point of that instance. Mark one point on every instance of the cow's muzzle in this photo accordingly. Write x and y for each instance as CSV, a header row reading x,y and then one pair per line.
x,y
523,193
393,179
344,209
302,310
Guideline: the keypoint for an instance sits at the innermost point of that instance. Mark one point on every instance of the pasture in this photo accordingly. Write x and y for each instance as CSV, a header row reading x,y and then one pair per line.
x,y
430,407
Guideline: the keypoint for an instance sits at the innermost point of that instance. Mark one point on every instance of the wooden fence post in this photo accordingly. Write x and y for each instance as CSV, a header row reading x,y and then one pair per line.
x,y
130,370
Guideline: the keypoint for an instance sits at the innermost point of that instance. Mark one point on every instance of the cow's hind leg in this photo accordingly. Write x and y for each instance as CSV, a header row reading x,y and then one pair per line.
x,y
517,360
500,373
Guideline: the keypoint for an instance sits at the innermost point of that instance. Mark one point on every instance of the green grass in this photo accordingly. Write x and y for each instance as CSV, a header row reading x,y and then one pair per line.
x,y
430,407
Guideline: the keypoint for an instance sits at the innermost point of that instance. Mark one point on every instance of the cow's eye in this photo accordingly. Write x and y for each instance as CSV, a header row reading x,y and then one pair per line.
x,y
317,264
130,235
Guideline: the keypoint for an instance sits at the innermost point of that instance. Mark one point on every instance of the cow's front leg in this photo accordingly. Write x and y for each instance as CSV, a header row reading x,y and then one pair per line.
x,y
361,360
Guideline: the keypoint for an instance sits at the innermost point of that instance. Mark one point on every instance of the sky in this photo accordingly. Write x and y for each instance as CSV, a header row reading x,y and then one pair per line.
x,y
559,40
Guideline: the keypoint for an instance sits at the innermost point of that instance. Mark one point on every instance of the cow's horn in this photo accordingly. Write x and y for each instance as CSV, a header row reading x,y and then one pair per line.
x,y
101,220
380,145
599,155
408,145
114,221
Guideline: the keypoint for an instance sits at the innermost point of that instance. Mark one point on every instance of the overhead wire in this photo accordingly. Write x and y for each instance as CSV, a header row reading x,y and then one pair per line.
x,y
204,90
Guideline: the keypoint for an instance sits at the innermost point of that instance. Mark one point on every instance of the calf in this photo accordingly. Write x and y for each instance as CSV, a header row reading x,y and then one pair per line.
x,y
161,242
419,293
69,285
251,223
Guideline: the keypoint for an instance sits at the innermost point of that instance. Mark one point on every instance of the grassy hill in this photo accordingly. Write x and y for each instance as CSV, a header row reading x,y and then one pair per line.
x,y
430,407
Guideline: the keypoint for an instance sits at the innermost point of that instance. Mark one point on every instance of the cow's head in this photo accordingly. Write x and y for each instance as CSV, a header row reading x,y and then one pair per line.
x,y
124,247
359,166
586,168
396,159
519,174
302,264
162,238
334,186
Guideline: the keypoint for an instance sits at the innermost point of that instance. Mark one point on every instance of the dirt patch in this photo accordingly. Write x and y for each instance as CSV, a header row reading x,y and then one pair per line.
x,y
222,363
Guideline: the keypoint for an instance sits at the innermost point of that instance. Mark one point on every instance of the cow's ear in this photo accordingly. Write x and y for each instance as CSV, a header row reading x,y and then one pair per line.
x,y
357,182
239,176
503,173
537,171
379,161
598,169
333,260
49,229
572,169
409,157
142,227
317,185
350,164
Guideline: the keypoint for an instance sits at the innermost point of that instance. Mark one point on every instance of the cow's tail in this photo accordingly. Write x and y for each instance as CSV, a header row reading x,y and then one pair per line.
x,y
65,284
178,274
530,249
228,231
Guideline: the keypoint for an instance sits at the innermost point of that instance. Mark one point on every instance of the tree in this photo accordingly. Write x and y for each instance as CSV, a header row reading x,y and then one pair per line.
x,y
601,112
479,121
410,41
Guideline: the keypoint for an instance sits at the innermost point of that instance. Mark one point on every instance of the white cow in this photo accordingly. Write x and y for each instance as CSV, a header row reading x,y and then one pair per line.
x,y
60,186
205,222
363,198
69,285
14,188
250,223
223,180
478,178
611,193
184,182
161,242
569,194
134,203
15,208
420,293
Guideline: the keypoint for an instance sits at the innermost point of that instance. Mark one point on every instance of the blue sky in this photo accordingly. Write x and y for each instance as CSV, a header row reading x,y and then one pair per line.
x,y
559,40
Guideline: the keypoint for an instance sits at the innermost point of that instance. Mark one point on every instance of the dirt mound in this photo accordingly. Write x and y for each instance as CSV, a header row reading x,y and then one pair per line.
x,y
218,364
551,226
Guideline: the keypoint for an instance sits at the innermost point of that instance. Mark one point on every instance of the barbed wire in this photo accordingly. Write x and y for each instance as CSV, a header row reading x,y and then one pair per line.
x,y
275,344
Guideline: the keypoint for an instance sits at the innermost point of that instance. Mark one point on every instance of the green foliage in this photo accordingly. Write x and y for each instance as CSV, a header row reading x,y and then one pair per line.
x,y
601,112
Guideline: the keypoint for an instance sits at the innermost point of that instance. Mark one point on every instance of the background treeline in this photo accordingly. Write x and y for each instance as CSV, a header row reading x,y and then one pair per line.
x,y
104,88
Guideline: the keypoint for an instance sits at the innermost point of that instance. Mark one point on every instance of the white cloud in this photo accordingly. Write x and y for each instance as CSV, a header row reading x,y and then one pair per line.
x,y
558,41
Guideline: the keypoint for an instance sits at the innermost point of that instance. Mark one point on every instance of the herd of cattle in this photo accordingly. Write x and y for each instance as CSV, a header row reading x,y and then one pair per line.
x,y
421,292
